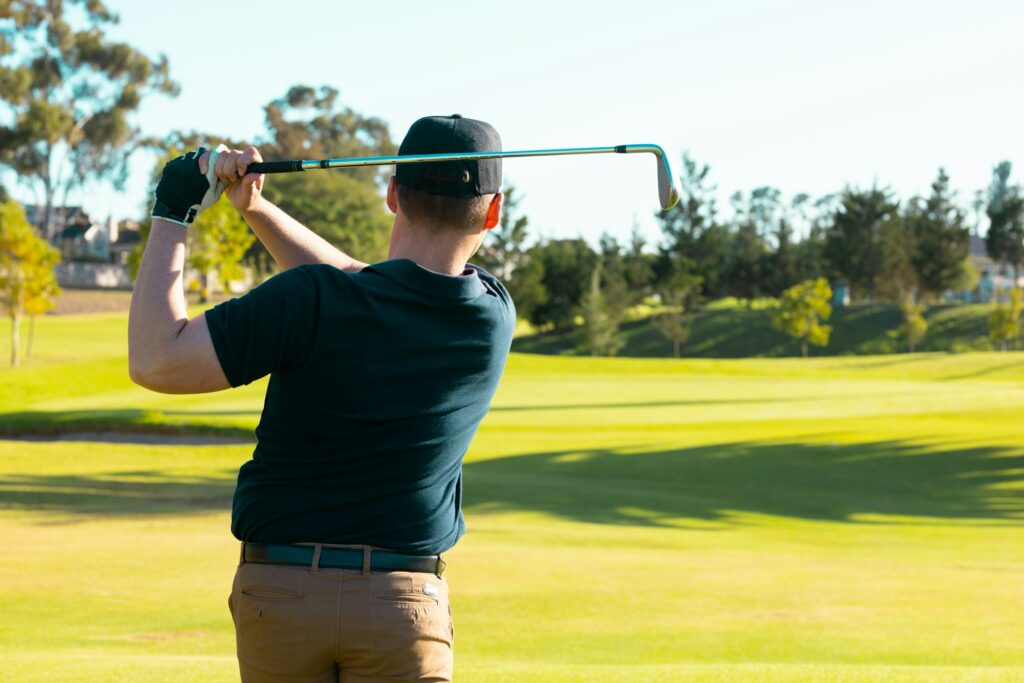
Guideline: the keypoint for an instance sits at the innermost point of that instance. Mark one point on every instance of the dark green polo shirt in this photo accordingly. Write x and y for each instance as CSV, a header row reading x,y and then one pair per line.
x,y
378,381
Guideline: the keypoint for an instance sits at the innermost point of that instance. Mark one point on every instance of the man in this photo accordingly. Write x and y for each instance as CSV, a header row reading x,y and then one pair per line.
x,y
379,377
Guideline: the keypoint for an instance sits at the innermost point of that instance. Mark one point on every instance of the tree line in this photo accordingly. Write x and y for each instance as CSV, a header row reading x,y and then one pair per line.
x,y
878,247
70,94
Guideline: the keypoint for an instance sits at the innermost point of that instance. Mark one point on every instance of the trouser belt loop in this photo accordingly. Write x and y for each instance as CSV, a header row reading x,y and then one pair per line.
x,y
441,566
315,569
241,553
366,560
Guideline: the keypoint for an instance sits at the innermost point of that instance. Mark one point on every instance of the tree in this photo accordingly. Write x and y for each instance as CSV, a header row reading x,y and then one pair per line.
x,y
527,286
567,267
853,241
897,248
671,322
802,307
343,207
914,324
600,331
69,95
217,241
1004,320
614,285
940,237
27,281
639,270
817,215
749,255
1005,238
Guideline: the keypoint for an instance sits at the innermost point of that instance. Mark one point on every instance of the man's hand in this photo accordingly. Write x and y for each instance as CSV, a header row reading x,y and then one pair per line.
x,y
186,187
243,189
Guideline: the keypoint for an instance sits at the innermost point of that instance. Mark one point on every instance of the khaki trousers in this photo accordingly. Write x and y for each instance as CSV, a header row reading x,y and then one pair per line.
x,y
314,625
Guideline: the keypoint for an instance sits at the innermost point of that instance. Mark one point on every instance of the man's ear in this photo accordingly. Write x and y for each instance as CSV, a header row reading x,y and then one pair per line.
x,y
494,212
392,196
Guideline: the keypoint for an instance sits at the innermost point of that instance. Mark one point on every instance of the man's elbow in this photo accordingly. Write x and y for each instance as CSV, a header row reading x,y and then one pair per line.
x,y
146,373
140,373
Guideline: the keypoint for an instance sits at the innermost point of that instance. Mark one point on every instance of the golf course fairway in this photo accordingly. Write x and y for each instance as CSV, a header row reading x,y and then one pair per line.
x,y
835,519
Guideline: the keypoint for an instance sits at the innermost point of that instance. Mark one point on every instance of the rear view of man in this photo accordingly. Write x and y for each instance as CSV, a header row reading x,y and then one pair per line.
x,y
379,377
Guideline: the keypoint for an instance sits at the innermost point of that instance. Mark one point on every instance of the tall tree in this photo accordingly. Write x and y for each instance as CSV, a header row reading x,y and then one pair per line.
x,y
600,330
940,235
344,207
814,217
614,283
1005,238
749,254
897,248
853,242
639,266
26,270
68,95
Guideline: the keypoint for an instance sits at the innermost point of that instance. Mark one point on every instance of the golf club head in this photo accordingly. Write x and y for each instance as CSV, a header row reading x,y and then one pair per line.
x,y
668,193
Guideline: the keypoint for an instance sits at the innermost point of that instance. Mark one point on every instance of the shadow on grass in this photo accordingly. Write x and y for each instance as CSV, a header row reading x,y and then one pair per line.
x,y
651,404
798,480
43,423
846,483
144,492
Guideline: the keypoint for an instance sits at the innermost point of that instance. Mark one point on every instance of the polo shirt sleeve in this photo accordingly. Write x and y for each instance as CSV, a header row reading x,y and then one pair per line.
x,y
269,329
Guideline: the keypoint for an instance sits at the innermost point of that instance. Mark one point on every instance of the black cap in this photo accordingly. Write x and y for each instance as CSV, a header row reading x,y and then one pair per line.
x,y
451,134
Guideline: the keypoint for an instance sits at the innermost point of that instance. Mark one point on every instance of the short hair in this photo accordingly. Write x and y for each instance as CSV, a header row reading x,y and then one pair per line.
x,y
439,212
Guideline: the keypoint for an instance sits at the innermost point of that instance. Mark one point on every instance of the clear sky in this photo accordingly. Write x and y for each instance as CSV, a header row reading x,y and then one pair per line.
x,y
806,96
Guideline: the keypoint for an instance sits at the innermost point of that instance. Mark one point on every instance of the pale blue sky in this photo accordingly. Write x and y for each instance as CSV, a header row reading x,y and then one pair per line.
x,y
805,96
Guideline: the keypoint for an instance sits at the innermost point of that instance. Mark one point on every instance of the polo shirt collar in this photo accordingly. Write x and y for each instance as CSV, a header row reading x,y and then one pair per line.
x,y
411,274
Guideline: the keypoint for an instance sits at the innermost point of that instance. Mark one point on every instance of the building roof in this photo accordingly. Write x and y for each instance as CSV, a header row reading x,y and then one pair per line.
x,y
74,231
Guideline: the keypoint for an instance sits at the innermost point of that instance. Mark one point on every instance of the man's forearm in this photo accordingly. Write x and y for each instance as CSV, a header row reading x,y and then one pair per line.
x,y
291,243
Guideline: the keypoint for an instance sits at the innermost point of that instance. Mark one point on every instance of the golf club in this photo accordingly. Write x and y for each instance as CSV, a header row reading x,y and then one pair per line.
x,y
667,192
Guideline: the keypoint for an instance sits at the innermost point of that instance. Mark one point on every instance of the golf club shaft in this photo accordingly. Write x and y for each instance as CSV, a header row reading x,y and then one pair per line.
x,y
308,165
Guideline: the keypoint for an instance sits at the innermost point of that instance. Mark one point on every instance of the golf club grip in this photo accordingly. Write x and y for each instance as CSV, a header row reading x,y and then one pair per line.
x,y
275,167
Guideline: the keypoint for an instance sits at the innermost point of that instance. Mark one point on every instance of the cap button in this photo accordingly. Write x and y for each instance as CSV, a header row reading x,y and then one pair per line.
x,y
456,116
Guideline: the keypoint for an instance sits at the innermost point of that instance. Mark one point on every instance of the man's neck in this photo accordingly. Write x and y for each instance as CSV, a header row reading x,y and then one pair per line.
x,y
441,253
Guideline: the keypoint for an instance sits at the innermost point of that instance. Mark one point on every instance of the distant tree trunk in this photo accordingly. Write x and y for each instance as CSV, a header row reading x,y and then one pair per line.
x,y
675,348
204,287
31,335
803,344
15,341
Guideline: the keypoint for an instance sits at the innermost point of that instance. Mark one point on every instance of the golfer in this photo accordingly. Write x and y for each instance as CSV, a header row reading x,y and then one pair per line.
x,y
379,377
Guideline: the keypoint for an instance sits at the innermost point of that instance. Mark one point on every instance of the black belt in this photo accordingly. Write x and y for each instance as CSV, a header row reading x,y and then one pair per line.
x,y
341,558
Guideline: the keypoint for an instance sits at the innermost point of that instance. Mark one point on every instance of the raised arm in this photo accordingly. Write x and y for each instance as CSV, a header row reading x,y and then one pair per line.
x,y
288,241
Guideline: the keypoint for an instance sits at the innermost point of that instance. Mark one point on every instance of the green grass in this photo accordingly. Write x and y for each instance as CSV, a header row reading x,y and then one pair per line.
x,y
724,331
837,519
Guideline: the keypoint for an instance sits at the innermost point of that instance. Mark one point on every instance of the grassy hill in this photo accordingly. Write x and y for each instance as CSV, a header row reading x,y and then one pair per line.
x,y
740,332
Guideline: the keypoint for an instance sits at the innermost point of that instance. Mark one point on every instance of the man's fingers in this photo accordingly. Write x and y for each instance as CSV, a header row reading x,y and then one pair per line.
x,y
204,163
226,166
249,156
